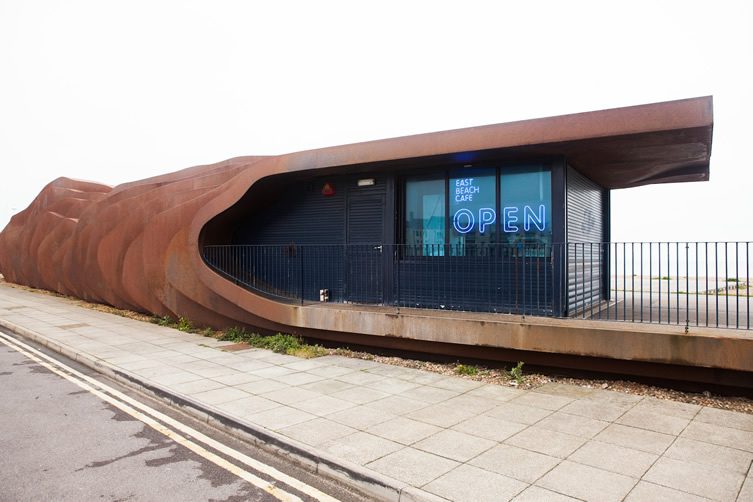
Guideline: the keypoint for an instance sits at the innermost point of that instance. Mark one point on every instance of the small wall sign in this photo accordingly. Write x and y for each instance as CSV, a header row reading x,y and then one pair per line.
x,y
328,190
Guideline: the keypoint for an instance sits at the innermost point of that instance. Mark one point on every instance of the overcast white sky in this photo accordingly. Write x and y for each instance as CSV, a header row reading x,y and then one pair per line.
x,y
119,91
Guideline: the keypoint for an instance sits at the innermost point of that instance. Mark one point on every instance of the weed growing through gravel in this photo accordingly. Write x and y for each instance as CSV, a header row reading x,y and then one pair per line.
x,y
185,325
466,369
280,343
517,372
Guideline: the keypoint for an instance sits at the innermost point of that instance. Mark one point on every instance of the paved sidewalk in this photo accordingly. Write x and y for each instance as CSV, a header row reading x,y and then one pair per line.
x,y
406,434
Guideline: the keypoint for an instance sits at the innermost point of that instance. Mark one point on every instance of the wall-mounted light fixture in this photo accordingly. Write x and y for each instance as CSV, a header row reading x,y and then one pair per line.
x,y
366,182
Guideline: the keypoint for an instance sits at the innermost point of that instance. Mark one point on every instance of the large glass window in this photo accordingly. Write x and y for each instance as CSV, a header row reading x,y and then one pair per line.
x,y
526,205
484,205
473,209
424,217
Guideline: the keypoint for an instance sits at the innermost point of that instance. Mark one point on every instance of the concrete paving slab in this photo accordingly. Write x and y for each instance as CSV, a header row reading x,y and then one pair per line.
x,y
429,394
317,431
546,441
358,377
746,493
716,434
403,430
262,386
176,378
587,483
518,413
330,371
710,454
698,479
305,365
426,378
361,417
541,400
670,408
455,445
650,492
598,410
245,365
496,392
246,406
573,424
614,458
614,397
637,439
441,415
326,386
537,494
397,405
391,385
323,405
726,418
360,395
347,362
475,404
222,395
361,447
280,417
272,371
413,466
289,395
393,371
157,371
238,378
213,372
518,463
644,419
300,378
456,384
489,427
561,389
197,386
471,483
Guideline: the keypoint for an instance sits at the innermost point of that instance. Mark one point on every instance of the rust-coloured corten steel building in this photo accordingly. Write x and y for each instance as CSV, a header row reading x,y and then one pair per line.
x,y
461,242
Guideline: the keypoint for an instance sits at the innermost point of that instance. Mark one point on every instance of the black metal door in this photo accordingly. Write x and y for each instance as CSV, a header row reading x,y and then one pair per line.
x,y
365,249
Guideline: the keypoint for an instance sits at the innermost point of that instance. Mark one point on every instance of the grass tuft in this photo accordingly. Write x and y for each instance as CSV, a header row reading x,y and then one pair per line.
x,y
466,369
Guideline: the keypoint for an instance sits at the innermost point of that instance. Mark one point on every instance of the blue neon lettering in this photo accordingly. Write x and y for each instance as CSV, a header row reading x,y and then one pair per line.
x,y
463,229
539,221
486,216
509,218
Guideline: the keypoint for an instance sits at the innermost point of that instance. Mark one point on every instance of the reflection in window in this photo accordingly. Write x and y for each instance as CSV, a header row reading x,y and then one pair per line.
x,y
424,217
473,210
526,206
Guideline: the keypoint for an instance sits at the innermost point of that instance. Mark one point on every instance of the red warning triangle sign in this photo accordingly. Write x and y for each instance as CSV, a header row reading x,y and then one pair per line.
x,y
328,190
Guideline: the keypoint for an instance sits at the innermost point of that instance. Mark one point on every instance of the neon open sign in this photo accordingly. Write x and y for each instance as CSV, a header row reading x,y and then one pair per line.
x,y
465,220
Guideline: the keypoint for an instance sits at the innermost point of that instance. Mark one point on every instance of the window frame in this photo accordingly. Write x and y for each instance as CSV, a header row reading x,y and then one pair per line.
x,y
444,172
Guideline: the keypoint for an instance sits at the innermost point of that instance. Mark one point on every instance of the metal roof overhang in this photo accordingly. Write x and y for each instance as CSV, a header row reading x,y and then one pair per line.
x,y
667,142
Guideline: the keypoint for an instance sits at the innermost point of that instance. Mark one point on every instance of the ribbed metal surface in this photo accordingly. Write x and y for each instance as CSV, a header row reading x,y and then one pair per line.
x,y
585,225
301,215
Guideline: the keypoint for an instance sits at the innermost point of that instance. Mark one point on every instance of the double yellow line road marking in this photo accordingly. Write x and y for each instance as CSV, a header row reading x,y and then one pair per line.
x,y
175,430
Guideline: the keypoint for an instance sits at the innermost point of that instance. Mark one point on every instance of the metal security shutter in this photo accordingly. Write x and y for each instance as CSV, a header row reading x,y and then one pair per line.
x,y
585,254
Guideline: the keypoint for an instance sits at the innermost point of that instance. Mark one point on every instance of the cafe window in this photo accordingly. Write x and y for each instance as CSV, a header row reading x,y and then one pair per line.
x,y
470,209
526,205
473,210
425,217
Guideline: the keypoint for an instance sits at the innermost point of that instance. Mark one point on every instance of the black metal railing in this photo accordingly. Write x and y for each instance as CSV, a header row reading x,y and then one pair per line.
x,y
690,283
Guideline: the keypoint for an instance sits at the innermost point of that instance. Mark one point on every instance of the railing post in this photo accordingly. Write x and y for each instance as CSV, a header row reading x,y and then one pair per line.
x,y
300,271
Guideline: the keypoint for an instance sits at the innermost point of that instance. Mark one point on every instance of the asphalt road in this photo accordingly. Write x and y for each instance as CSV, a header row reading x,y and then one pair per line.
x,y
60,441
